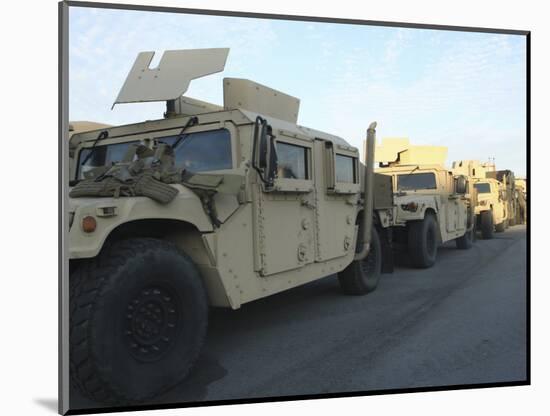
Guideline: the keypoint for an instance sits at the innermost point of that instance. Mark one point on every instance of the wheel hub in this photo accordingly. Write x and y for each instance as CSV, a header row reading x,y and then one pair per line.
x,y
151,323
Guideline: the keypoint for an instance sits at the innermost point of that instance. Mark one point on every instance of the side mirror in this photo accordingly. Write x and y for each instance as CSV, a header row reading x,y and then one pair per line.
x,y
461,185
263,147
272,160
264,152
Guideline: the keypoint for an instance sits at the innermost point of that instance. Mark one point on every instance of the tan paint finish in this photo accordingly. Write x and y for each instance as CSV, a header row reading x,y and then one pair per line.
x,y
171,78
249,95
400,151
451,209
76,127
495,201
270,240
492,201
186,207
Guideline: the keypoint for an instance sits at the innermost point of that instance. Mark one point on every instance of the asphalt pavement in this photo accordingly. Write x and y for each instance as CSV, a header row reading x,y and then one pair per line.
x,y
461,322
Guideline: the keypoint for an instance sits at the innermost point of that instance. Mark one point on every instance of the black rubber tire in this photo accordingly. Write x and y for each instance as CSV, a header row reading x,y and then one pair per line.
x,y
512,222
466,241
362,277
486,225
423,242
519,219
500,228
138,318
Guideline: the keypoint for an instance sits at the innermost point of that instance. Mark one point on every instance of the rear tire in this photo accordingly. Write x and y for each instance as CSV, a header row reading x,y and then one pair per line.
x,y
423,242
486,225
519,216
500,228
362,276
466,241
138,318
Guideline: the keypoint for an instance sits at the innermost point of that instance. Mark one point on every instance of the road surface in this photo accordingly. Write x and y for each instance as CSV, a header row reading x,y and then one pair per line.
x,y
461,322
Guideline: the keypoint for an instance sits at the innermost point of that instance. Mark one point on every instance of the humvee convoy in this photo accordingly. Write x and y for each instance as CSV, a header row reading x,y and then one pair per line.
x,y
499,204
222,205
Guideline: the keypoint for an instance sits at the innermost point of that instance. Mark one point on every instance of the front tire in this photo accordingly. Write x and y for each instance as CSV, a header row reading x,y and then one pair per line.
x,y
487,225
138,319
422,242
500,228
466,241
362,276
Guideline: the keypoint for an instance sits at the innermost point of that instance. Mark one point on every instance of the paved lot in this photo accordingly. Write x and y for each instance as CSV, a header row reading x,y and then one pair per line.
x,y
462,321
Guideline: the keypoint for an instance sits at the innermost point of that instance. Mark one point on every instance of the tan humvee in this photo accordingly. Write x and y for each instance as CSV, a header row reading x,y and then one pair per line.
x,y
521,183
259,204
432,205
521,198
491,207
508,186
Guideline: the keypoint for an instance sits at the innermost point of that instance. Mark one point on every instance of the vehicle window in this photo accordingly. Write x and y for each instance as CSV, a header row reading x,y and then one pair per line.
x,y
410,182
345,169
202,151
483,188
102,155
291,161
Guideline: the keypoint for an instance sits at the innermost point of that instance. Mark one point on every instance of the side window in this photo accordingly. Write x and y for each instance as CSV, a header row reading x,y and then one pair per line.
x,y
202,151
345,167
292,161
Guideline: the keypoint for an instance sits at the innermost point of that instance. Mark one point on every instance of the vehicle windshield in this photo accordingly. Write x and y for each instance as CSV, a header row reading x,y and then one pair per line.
x,y
411,182
483,188
197,152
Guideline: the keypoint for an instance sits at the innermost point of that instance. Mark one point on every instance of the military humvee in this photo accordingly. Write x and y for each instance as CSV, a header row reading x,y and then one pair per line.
x,y
521,200
508,185
490,210
432,205
211,205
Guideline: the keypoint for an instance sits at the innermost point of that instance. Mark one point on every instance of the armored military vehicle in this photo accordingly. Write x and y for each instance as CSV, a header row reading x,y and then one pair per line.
x,y
432,205
491,207
521,200
209,206
521,183
508,187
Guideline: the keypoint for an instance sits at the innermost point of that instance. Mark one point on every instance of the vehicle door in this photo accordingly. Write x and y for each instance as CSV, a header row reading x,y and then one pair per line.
x,y
285,211
453,201
338,189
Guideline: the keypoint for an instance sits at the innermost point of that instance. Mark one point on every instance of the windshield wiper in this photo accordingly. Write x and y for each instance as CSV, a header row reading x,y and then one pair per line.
x,y
193,121
406,176
415,169
103,135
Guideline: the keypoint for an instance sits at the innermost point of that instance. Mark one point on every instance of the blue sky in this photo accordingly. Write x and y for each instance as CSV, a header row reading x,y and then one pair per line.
x,y
461,90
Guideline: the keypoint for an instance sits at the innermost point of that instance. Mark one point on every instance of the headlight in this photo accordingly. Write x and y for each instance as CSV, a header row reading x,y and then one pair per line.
x,y
411,206
89,224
